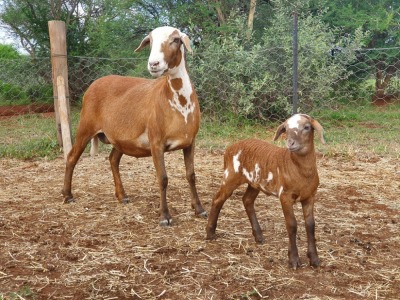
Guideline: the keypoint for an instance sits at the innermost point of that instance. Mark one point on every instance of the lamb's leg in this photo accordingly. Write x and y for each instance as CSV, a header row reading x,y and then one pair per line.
x,y
159,164
115,158
82,139
248,201
225,191
188,154
308,212
291,227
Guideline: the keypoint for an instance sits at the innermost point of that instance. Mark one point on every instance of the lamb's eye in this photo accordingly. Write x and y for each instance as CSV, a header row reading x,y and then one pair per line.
x,y
307,127
177,40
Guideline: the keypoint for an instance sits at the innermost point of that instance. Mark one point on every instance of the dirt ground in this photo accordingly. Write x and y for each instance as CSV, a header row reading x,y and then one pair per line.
x,y
97,248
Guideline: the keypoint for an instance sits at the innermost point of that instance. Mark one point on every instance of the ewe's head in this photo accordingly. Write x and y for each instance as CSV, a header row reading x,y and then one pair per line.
x,y
299,131
167,49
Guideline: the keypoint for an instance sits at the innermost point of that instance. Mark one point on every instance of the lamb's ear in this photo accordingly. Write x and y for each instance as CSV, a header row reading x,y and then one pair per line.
x,y
186,41
144,43
281,129
315,124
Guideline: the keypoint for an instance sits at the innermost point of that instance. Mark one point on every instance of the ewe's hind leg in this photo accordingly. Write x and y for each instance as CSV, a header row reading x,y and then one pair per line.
x,y
248,201
72,158
115,158
188,154
308,212
225,191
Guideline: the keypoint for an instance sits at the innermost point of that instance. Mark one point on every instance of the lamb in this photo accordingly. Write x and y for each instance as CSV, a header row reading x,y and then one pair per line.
x,y
144,117
289,174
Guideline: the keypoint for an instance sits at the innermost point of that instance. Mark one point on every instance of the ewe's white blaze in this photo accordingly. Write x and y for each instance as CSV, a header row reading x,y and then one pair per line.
x,y
236,162
159,36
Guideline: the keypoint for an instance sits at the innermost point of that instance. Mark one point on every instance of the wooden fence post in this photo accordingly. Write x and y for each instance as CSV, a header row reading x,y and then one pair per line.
x,y
64,116
58,48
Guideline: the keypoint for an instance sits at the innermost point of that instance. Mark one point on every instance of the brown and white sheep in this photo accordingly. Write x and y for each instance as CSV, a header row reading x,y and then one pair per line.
x,y
287,173
144,117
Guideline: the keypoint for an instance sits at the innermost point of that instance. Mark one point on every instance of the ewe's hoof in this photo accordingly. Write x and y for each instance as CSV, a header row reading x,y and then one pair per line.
x,y
125,200
203,215
69,200
166,222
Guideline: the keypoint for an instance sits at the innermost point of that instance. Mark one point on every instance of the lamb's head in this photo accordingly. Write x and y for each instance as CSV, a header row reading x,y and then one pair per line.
x,y
299,131
167,50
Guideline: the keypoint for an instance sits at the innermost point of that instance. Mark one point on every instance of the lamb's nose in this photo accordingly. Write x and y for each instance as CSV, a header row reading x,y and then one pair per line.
x,y
290,142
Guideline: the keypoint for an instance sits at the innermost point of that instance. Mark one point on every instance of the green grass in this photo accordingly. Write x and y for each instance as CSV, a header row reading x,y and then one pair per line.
x,y
349,132
24,292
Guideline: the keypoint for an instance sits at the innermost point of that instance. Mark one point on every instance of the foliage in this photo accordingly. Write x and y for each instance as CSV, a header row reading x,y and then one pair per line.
x,y
8,52
253,80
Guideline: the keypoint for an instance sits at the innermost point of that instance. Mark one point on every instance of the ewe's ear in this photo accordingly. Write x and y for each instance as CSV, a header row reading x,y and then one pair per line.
x,y
144,43
281,129
315,124
186,41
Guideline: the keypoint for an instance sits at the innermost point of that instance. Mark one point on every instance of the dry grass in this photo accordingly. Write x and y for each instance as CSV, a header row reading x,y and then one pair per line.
x,y
97,248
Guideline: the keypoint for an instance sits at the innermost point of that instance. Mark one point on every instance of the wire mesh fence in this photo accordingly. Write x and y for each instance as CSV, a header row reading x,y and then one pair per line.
x,y
255,84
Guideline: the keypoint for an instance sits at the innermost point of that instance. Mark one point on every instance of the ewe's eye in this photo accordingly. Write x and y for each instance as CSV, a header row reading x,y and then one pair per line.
x,y
176,40
307,127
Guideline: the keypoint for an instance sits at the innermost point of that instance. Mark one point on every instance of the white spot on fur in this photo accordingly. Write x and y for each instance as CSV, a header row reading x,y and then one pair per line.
x,y
173,144
270,176
226,173
293,121
253,176
236,162
257,170
280,191
277,170
143,139
185,91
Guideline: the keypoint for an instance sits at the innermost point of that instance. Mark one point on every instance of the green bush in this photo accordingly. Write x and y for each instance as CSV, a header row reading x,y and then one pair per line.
x,y
12,94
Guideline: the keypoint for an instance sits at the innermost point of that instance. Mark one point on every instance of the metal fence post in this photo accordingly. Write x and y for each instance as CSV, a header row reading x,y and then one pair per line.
x,y
295,62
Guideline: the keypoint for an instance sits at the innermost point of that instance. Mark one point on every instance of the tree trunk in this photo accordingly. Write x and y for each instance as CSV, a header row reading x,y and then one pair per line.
x,y
220,14
383,76
250,20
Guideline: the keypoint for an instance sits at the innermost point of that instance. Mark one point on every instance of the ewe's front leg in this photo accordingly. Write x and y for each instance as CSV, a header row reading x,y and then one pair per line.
x,y
188,154
159,164
291,227
308,212
115,158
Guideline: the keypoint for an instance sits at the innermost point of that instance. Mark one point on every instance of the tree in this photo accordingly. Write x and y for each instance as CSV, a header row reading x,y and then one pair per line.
x,y
382,20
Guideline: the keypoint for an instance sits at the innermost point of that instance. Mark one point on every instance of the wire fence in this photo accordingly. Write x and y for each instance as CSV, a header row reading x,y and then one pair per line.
x,y
256,84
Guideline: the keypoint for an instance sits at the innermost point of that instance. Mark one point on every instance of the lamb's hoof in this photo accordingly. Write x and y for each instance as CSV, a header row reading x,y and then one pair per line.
x,y
315,263
260,240
203,215
166,222
295,264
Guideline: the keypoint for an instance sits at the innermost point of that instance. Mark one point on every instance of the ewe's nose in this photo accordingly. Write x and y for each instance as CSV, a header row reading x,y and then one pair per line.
x,y
154,64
